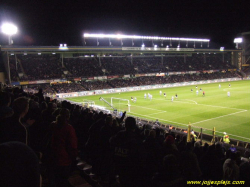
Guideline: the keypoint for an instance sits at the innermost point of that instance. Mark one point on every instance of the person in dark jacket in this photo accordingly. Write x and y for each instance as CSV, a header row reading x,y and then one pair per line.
x,y
125,146
64,148
19,166
12,129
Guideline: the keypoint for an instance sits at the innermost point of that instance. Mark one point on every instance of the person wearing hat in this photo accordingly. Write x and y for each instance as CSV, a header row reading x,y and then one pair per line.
x,y
226,138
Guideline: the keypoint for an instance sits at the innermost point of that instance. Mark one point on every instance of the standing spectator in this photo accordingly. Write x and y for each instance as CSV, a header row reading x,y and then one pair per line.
x,y
5,109
125,146
226,138
12,129
64,148
19,166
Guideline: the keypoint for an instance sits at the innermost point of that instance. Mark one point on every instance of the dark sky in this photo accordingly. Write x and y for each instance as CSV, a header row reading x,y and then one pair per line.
x,y
53,22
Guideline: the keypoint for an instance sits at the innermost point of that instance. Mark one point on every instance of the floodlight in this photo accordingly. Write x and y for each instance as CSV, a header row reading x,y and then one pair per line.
x,y
9,29
120,36
63,47
238,40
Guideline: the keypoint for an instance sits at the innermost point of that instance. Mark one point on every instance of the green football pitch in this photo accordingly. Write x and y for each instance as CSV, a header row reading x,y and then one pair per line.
x,y
216,109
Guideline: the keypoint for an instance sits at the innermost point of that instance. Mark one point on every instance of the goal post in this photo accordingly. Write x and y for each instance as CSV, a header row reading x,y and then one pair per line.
x,y
121,104
88,103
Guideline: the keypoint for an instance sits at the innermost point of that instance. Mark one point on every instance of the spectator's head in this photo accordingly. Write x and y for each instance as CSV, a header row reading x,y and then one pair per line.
x,y
65,113
170,162
21,106
50,105
5,99
169,140
44,105
152,134
19,166
146,132
109,120
130,124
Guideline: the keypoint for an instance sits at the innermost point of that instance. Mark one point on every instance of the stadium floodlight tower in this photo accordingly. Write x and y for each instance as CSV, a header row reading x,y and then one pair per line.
x,y
10,30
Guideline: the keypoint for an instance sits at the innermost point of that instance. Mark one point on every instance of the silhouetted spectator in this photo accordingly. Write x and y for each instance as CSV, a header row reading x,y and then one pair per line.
x,y
19,166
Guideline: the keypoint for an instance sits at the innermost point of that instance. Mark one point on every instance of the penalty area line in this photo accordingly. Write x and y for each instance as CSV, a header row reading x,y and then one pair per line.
x,y
159,119
157,113
219,117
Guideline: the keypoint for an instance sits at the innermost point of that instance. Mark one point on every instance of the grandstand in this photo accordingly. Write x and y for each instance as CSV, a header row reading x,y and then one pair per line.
x,y
120,72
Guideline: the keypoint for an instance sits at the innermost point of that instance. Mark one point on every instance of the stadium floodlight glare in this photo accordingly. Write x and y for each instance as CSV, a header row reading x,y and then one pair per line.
x,y
238,40
121,36
9,29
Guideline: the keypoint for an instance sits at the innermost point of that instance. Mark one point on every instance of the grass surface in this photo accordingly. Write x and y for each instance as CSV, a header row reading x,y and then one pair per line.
x,y
215,109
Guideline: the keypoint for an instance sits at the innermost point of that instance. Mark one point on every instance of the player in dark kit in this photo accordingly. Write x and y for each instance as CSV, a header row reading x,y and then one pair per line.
x,y
203,93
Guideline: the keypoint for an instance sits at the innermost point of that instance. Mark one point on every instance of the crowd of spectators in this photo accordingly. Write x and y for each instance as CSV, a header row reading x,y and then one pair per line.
x,y
83,67
47,89
96,85
121,83
148,65
35,130
40,67
68,87
15,68
128,82
117,66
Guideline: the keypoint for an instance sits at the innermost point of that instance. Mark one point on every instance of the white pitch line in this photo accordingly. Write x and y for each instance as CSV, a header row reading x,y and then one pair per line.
x,y
159,119
219,117
207,105
224,107
186,102
157,113
147,108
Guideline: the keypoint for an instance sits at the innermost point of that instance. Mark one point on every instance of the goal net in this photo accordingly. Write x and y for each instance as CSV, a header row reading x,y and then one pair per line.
x,y
120,104
88,103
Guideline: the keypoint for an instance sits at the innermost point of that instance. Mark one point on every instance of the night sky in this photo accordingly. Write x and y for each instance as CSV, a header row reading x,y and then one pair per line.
x,y
53,22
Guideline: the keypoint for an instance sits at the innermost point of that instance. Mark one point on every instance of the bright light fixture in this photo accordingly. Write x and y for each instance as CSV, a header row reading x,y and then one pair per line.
x,y
9,29
120,36
238,40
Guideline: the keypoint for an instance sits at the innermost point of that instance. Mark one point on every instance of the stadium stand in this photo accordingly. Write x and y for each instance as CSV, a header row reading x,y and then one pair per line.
x,y
36,67
110,151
